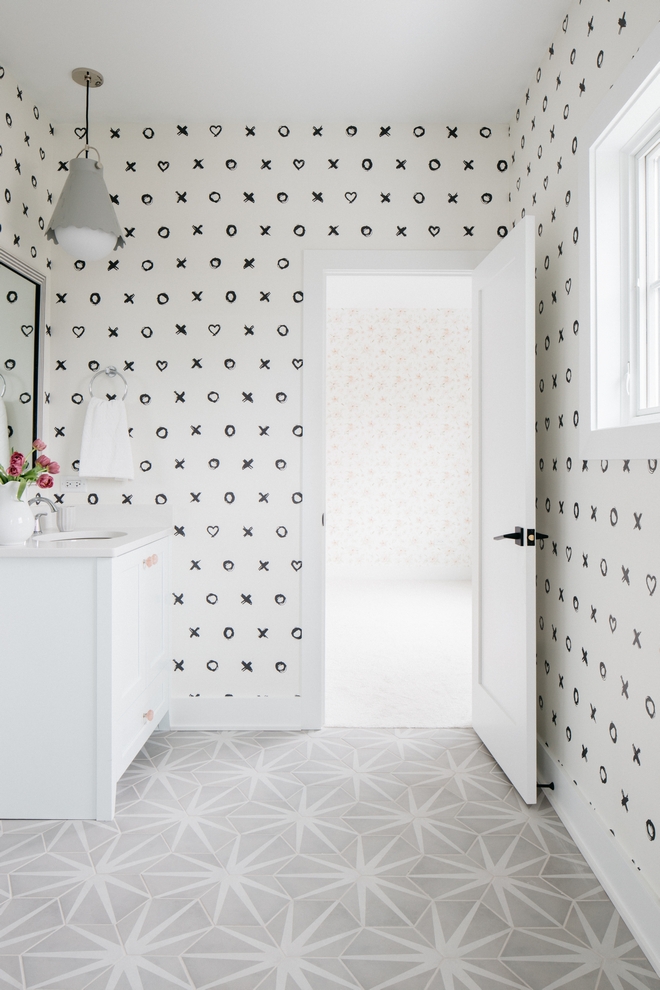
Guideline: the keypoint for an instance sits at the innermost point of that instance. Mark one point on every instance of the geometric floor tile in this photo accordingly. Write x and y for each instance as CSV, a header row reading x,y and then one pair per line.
x,y
363,859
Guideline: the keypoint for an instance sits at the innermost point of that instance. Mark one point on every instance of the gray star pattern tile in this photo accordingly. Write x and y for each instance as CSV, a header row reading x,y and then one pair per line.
x,y
363,859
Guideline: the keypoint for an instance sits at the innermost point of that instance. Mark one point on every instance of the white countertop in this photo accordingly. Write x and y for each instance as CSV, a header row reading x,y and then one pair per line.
x,y
131,539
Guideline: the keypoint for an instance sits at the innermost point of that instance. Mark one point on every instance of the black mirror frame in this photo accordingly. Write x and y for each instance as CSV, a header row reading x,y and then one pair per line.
x,y
39,282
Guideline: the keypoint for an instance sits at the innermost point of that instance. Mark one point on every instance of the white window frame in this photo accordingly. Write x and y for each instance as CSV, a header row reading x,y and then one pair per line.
x,y
646,316
612,424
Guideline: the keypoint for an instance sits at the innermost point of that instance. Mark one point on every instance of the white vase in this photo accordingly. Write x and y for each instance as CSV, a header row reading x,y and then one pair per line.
x,y
16,519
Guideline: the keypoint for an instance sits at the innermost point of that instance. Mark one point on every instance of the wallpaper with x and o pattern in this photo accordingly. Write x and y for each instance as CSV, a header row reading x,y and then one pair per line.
x,y
202,313
27,175
597,597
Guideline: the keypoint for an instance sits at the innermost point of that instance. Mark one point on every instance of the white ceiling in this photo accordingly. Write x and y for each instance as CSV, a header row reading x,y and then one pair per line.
x,y
290,60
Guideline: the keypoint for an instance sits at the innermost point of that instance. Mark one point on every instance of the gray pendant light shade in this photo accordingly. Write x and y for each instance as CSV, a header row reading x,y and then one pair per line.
x,y
84,221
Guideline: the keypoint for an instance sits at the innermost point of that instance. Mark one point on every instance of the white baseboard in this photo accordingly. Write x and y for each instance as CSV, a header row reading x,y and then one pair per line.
x,y
636,902
396,572
237,713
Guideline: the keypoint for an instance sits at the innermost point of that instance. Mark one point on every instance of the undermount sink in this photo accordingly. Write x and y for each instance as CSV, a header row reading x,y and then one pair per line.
x,y
82,534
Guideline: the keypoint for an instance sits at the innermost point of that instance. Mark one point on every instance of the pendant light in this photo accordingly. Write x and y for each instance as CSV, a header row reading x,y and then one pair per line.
x,y
84,222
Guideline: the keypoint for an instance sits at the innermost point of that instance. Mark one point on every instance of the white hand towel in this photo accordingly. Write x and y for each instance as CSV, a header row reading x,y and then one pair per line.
x,y
4,439
105,451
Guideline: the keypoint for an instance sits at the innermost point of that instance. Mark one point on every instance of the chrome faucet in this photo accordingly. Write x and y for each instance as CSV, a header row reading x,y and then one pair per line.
x,y
37,500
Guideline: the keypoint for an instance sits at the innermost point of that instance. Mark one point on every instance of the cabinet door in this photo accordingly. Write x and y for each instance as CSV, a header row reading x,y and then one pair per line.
x,y
153,570
127,665
132,728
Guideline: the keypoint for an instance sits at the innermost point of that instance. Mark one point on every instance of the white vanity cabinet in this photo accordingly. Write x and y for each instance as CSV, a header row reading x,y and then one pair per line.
x,y
84,670
140,665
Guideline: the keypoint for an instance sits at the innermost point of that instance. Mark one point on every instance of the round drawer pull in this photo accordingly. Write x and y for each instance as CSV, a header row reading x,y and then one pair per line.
x,y
148,715
150,561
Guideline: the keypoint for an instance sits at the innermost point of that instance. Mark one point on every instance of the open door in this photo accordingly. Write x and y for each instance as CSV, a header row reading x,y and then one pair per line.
x,y
504,535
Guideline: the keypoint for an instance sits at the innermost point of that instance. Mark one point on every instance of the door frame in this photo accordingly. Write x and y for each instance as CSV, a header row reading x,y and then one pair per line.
x,y
317,265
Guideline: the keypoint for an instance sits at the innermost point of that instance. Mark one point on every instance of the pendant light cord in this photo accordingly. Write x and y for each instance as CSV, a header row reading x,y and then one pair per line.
x,y
87,120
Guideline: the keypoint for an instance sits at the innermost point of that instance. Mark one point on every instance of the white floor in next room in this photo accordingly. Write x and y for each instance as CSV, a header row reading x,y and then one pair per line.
x,y
398,653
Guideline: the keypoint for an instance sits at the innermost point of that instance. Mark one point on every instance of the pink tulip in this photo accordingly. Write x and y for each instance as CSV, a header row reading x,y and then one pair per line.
x,y
44,460
38,444
53,468
45,481
16,462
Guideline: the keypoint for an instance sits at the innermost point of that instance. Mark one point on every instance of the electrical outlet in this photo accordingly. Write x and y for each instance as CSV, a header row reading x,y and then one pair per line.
x,y
73,484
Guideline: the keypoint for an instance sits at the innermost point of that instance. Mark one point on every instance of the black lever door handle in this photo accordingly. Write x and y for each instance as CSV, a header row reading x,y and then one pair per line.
x,y
518,536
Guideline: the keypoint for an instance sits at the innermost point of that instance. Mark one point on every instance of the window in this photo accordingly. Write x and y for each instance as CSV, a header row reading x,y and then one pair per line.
x,y
646,367
620,266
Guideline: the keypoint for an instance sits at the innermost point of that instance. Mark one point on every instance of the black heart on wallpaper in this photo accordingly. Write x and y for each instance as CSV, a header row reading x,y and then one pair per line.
x,y
213,530
161,365
547,422
433,230
214,328
518,184
612,623
296,564
545,182
27,329
163,166
350,196
567,285
297,363
78,331
651,582
298,162
569,553
80,132
215,129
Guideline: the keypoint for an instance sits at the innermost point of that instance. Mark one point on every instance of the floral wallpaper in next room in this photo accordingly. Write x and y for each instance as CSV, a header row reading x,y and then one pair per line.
x,y
398,437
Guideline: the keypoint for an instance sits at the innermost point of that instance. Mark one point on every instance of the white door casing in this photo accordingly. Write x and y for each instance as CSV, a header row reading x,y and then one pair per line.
x,y
503,451
317,265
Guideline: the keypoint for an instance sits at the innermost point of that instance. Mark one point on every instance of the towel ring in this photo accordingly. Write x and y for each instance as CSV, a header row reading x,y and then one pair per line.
x,y
4,385
111,372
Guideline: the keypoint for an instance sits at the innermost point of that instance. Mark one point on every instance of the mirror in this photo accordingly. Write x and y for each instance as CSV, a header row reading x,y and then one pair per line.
x,y
21,322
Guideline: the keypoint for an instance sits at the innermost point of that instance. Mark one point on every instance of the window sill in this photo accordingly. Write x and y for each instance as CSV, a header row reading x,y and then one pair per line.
x,y
625,442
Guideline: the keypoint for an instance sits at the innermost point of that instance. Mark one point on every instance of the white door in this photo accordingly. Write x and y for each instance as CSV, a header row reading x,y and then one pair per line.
x,y
503,564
